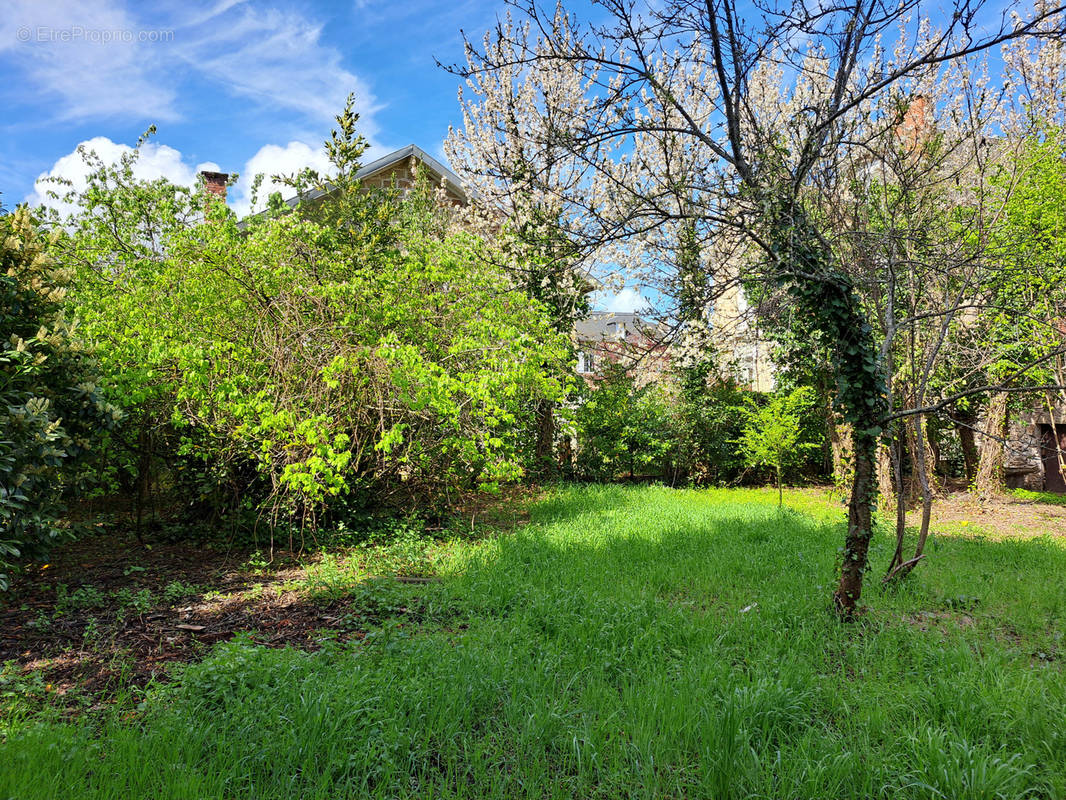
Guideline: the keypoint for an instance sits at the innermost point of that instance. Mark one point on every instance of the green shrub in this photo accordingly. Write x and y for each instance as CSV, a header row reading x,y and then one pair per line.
x,y
623,429
366,350
707,427
83,597
178,590
51,409
772,436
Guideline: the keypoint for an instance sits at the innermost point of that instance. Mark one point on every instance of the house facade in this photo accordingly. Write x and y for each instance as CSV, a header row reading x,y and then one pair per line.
x,y
743,351
625,338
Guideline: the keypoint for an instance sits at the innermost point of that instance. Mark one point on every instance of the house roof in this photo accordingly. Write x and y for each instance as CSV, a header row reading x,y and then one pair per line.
x,y
604,325
413,150
436,169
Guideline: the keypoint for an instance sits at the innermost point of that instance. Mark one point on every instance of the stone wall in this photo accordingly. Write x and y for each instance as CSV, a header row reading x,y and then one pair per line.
x,y
1023,468
402,176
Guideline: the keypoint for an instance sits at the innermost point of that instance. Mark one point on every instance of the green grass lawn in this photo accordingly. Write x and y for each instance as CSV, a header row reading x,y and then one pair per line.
x,y
628,642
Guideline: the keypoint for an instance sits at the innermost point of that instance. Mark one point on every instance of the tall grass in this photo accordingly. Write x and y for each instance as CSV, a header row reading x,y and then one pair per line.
x,y
630,642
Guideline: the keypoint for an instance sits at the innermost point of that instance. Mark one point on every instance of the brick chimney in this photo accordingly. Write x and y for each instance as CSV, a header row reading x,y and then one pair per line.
x,y
215,183
917,124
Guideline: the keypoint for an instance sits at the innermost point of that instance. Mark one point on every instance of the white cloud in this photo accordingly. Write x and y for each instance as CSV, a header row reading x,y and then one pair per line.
x,y
277,59
272,160
155,161
97,59
161,161
78,51
627,300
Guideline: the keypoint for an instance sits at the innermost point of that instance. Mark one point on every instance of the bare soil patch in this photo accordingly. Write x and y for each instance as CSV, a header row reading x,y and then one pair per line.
x,y
110,611
123,624
1005,516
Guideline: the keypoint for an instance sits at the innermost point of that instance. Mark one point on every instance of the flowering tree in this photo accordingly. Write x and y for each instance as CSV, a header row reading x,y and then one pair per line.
x,y
516,188
764,157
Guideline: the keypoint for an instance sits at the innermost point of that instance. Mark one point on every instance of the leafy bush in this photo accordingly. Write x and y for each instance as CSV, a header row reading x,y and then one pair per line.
x,y
683,431
51,409
622,428
178,590
364,350
773,432
707,426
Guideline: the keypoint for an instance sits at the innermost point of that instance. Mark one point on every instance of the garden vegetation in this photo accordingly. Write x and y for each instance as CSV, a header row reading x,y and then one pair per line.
x,y
353,376
628,642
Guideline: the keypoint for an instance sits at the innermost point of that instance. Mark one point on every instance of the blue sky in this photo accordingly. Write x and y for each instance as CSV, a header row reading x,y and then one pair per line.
x,y
232,85
224,81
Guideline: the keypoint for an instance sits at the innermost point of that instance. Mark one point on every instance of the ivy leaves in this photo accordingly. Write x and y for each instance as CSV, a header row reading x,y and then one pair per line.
x,y
826,299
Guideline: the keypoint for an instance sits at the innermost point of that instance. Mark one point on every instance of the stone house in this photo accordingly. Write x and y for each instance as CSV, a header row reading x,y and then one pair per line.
x,y
395,170
743,348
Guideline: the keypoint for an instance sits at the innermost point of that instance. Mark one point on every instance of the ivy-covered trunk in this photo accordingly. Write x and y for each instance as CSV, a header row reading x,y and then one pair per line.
x,y
825,296
860,525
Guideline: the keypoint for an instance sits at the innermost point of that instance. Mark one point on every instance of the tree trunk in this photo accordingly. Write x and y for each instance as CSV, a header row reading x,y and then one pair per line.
x,y
921,464
964,425
989,479
144,477
833,307
912,483
895,449
886,483
933,440
566,455
899,568
860,524
544,463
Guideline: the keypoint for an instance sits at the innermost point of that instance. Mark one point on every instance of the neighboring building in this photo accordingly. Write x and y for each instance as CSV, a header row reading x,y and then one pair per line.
x,y
397,169
648,347
1031,453
622,338
742,349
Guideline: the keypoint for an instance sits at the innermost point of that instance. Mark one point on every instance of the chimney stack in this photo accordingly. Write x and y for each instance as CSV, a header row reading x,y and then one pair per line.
x,y
215,183
917,124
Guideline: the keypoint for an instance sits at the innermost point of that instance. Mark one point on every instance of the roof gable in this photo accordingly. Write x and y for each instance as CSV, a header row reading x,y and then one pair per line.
x,y
397,158
383,167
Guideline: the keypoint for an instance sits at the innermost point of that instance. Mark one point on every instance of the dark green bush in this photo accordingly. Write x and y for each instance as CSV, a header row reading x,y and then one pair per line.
x,y
708,426
51,409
